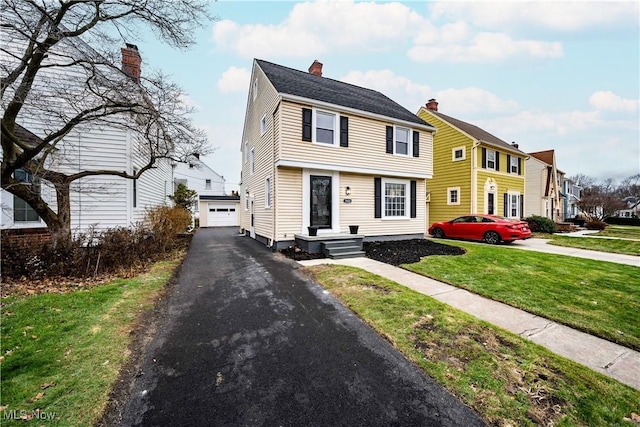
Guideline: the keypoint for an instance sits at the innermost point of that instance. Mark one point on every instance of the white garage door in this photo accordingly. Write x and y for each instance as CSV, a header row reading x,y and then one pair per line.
x,y
222,215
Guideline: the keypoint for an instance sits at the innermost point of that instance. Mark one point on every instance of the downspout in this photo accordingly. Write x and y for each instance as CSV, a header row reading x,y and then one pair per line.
x,y
274,203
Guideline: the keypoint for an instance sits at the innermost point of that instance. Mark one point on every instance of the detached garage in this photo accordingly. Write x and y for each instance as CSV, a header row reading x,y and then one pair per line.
x,y
219,211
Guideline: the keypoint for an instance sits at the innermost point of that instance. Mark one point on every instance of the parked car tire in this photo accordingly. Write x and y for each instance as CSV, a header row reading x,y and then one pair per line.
x,y
492,238
437,233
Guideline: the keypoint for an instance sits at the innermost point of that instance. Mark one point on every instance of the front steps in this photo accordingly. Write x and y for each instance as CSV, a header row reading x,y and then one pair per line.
x,y
340,249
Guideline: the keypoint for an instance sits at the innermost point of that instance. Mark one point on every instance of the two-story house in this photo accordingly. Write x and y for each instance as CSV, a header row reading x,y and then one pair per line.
x,y
572,193
97,201
215,208
474,171
544,196
321,155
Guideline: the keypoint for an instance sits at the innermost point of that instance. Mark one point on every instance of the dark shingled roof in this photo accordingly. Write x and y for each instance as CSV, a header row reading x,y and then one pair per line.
x,y
294,82
29,138
476,132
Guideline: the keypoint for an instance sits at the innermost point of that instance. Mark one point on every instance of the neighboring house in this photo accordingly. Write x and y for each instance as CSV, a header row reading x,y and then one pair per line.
x,y
215,208
544,191
317,152
572,193
99,201
474,172
633,207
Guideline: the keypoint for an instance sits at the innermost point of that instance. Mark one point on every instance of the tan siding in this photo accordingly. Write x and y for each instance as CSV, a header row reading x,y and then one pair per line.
x,y
535,185
289,202
366,145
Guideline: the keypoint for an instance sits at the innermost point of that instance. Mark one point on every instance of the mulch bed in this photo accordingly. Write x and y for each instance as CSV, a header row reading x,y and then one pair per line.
x,y
391,252
407,251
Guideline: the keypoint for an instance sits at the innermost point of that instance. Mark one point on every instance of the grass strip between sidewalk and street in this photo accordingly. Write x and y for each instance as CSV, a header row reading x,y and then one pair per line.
x,y
596,297
623,231
616,246
61,353
505,378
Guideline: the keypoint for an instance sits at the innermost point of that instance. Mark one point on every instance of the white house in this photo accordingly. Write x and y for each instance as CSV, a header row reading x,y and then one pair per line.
x,y
215,208
544,186
101,201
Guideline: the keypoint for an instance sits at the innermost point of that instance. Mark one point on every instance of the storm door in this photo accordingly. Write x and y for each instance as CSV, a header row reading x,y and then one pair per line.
x,y
320,201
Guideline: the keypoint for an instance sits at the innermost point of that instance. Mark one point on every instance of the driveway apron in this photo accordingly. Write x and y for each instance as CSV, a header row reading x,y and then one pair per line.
x,y
248,341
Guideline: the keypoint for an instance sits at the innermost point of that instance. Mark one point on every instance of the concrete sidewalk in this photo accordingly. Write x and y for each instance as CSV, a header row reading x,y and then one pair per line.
x,y
542,245
613,360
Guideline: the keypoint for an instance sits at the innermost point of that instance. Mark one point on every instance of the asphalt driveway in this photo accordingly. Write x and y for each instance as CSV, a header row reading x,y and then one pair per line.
x,y
248,341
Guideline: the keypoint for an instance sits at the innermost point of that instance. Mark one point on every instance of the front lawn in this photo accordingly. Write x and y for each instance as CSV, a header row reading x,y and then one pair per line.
x,y
596,297
61,353
623,231
617,246
508,380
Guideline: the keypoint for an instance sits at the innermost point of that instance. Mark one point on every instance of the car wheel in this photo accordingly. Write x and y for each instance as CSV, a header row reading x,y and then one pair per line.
x,y
437,233
492,238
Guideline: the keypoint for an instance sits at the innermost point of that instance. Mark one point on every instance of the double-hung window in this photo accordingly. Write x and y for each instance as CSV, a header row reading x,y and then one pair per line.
x,y
252,161
401,142
513,167
263,124
325,128
22,211
491,159
267,192
207,184
396,198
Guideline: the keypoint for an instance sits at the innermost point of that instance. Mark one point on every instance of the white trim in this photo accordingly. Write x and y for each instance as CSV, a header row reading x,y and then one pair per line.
x,y
352,169
252,161
335,200
453,154
511,165
409,141
267,192
495,156
301,99
510,194
407,198
490,187
449,190
255,88
314,127
263,124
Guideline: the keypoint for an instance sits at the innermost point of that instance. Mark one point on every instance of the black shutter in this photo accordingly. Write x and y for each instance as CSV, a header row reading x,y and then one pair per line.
x,y
389,140
377,190
416,143
413,200
508,163
497,161
306,124
506,205
484,158
344,131
519,166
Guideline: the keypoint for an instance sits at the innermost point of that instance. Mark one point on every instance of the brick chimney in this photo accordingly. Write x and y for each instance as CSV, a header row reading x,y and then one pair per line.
x,y
131,61
432,105
316,68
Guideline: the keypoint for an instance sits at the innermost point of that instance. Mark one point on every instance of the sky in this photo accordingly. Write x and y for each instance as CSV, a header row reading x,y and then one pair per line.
x,y
547,75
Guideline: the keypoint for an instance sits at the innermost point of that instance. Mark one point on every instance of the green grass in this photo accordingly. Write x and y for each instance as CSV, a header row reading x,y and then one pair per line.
x,y
62,352
505,378
623,231
617,246
597,297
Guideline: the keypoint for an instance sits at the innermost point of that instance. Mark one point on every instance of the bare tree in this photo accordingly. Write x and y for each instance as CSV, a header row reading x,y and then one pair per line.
x,y
59,64
601,201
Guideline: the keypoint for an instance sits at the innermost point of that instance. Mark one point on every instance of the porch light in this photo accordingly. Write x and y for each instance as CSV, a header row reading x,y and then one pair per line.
x,y
347,190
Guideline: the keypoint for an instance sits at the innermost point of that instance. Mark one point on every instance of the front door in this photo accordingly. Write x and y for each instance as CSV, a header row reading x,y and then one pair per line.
x,y
491,203
320,201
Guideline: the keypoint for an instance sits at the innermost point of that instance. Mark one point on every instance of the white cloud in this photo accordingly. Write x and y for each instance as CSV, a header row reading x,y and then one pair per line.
x,y
609,101
234,79
555,15
483,47
472,100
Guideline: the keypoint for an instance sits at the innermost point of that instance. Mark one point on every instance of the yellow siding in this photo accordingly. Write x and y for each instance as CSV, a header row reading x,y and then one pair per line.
x,y
367,144
446,172
504,183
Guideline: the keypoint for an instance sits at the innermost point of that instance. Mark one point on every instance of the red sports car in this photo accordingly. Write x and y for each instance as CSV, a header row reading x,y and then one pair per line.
x,y
492,229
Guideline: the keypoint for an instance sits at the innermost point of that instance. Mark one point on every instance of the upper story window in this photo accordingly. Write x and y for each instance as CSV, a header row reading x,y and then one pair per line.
x,y
255,89
513,167
325,128
401,141
458,153
252,156
246,151
491,159
207,184
263,124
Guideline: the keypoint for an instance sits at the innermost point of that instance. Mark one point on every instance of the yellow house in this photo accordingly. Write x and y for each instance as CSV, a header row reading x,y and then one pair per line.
x,y
320,155
473,171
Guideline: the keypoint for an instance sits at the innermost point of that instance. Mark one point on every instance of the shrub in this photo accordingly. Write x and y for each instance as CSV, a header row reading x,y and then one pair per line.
x,y
541,224
595,225
165,223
